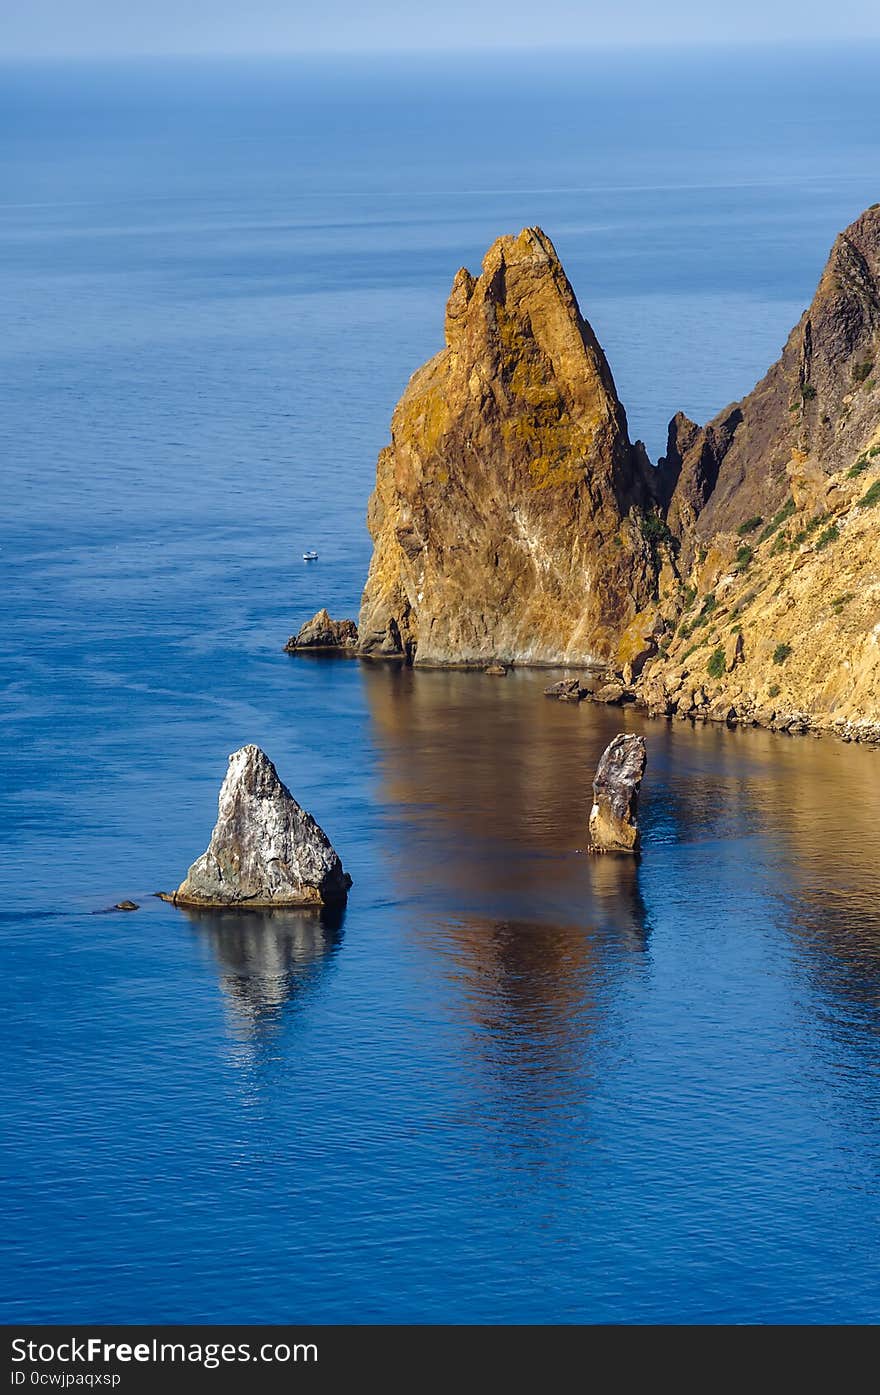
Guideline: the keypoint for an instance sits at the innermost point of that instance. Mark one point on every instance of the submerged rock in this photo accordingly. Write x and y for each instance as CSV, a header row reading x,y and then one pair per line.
x,y
265,850
496,670
613,817
323,633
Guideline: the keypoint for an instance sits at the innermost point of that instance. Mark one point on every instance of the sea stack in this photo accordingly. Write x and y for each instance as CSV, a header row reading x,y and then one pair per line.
x,y
510,508
613,817
265,850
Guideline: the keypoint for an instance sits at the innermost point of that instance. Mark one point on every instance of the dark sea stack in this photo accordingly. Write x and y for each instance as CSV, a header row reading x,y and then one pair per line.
x,y
815,404
265,850
507,514
323,634
613,817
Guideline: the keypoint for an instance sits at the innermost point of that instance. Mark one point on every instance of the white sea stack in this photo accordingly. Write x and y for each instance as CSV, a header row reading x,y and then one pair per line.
x,y
265,850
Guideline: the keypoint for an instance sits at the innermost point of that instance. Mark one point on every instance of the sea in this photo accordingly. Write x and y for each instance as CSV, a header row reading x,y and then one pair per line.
x,y
510,1083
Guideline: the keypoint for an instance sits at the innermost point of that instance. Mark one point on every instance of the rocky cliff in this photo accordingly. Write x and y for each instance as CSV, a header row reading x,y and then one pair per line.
x,y
816,403
781,627
514,520
509,512
776,617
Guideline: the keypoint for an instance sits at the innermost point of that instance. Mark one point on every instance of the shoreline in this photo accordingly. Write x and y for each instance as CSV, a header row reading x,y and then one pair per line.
x,y
721,712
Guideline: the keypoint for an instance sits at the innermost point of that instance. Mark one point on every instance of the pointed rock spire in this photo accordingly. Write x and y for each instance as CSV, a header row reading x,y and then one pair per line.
x,y
501,516
265,850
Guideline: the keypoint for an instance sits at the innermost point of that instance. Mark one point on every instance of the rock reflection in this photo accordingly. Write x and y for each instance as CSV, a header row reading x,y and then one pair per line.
x,y
532,985
489,786
521,933
267,959
538,998
484,757
617,897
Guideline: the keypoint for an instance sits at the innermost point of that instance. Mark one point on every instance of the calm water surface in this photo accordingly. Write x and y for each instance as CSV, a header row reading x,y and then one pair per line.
x,y
511,1082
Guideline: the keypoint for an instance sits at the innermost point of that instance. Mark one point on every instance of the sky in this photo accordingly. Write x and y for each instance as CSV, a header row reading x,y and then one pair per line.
x,y
103,28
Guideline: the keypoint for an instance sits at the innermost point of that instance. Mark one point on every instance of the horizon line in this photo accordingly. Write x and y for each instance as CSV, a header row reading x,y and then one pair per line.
x,y
520,49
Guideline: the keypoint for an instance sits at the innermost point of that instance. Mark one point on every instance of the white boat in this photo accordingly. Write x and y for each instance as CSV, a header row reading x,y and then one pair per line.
x,y
310,556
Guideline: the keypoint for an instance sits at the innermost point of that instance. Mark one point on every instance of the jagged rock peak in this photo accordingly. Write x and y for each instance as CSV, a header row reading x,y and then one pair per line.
x,y
500,517
523,275
265,850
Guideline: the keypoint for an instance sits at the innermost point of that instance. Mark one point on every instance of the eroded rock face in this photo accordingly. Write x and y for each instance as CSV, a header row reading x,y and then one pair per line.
x,y
776,621
506,512
323,633
793,631
613,817
265,850
815,405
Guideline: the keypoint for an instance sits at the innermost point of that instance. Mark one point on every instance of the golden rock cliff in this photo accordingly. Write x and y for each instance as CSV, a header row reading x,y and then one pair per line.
x,y
513,519
509,509
776,617
782,627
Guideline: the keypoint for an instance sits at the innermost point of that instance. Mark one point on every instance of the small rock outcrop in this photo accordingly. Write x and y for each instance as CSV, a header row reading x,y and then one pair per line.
x,y
508,512
613,817
265,850
613,694
322,633
568,690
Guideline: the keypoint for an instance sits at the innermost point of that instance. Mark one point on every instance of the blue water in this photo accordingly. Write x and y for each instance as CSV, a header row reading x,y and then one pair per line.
x,y
514,1083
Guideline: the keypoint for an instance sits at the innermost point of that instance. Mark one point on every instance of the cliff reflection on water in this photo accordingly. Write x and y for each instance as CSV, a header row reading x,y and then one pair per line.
x,y
519,933
583,997
745,832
